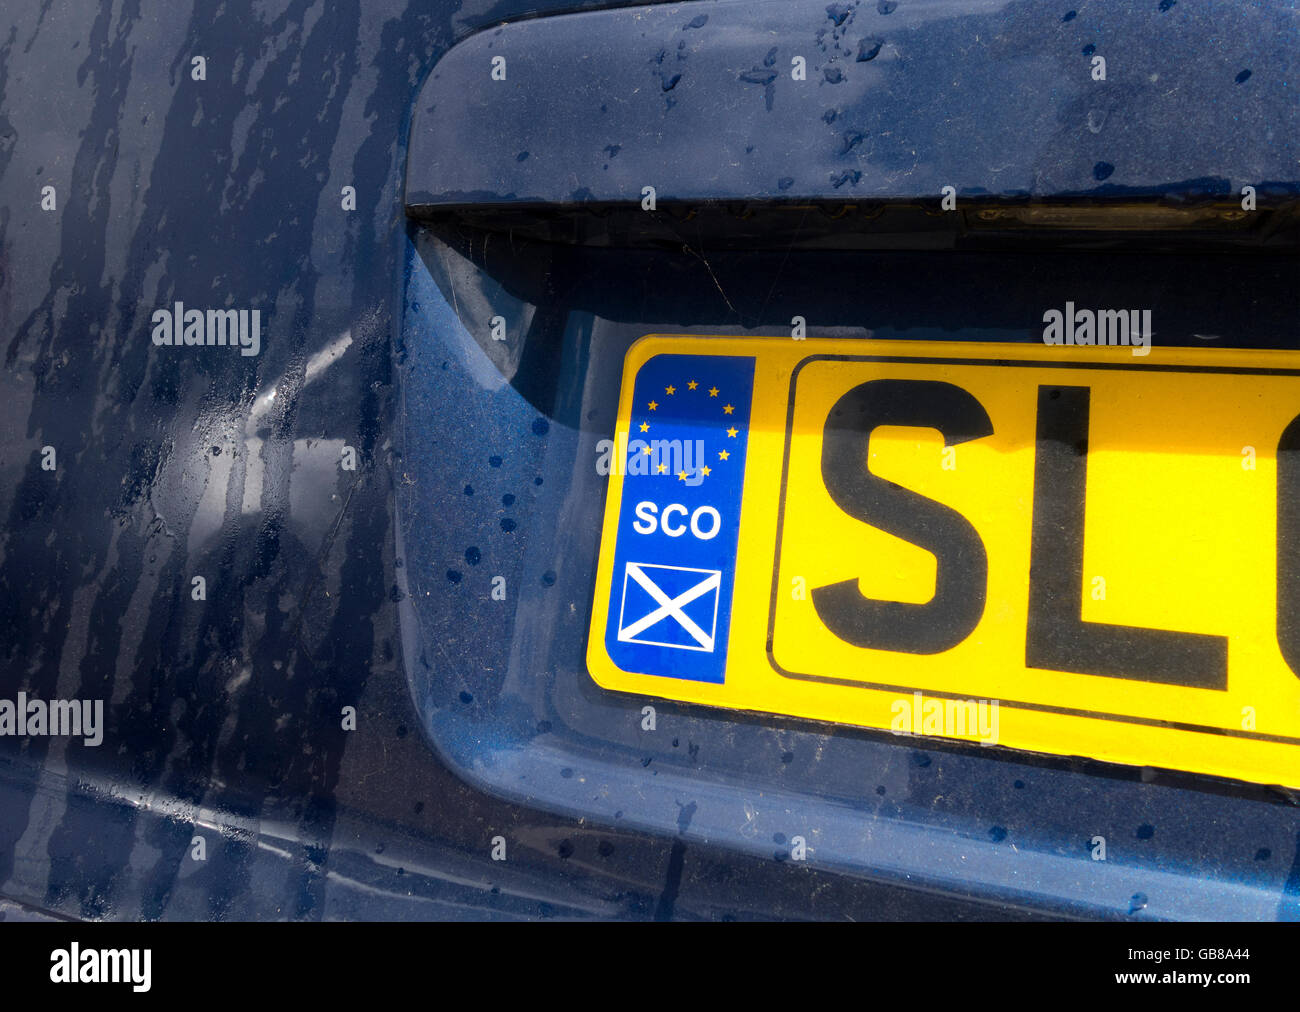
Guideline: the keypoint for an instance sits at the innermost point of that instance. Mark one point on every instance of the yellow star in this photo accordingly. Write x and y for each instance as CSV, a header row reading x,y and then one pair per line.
x,y
706,470
732,432
654,405
724,455
646,450
713,392
681,475
645,426
728,410
691,385
663,468
670,390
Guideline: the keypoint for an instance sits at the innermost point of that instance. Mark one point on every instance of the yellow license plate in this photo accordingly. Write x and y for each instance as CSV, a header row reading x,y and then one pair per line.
x,y
1068,550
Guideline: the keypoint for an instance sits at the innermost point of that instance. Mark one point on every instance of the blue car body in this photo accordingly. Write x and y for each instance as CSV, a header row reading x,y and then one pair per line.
x,y
350,717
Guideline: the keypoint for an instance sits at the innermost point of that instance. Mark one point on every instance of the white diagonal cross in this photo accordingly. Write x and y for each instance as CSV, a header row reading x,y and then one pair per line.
x,y
670,606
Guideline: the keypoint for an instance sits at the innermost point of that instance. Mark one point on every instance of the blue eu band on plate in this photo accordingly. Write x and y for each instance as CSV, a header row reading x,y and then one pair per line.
x,y
679,520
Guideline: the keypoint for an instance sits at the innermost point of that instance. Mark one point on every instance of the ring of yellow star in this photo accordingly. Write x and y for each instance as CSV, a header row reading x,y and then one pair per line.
x,y
691,385
713,392
728,409
654,405
645,426
670,390
724,455
732,432
706,471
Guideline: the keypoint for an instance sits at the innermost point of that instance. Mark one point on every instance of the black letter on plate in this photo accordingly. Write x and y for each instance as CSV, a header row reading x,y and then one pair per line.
x,y
1057,638
961,564
1288,545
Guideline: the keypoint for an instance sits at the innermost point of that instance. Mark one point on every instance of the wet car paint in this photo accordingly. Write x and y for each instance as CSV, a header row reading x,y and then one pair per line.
x,y
798,100
579,279
225,714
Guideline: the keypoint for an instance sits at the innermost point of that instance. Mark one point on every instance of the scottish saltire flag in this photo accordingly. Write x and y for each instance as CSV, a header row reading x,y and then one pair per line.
x,y
679,517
